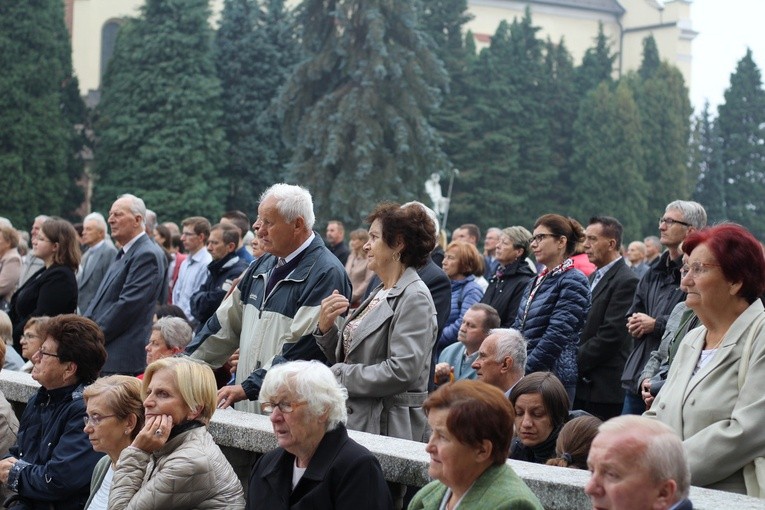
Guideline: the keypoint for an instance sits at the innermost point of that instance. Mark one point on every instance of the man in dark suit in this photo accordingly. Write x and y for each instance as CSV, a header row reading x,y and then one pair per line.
x,y
605,343
96,261
124,303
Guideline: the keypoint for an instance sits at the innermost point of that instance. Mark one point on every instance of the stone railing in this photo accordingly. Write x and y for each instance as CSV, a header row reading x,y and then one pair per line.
x,y
242,435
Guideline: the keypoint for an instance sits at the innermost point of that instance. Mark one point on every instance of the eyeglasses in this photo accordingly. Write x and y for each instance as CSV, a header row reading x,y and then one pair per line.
x,y
696,269
669,222
188,234
285,407
95,420
541,237
42,353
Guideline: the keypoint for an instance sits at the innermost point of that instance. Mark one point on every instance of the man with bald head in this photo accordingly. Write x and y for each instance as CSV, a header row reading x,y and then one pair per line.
x,y
501,359
123,305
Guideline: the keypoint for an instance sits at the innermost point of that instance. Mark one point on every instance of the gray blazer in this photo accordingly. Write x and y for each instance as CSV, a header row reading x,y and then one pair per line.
x,y
387,366
721,427
95,263
124,305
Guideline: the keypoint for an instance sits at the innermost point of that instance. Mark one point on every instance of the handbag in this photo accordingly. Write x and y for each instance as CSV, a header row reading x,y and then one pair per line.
x,y
754,472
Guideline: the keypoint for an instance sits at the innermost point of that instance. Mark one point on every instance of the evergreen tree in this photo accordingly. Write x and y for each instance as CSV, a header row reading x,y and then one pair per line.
x,y
356,110
36,118
708,167
255,51
597,64
606,172
665,112
741,127
160,136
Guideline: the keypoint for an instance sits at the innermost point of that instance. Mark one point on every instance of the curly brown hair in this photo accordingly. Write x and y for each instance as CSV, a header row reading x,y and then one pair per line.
x,y
409,225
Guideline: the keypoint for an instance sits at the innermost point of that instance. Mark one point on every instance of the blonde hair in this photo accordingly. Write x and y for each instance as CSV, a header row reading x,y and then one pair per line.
x,y
6,328
195,382
123,396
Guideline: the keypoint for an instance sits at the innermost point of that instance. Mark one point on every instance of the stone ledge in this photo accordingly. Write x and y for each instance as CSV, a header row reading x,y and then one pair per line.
x,y
404,461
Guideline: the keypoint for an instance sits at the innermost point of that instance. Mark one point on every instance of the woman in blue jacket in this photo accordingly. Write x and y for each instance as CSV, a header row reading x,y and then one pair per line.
x,y
555,303
461,263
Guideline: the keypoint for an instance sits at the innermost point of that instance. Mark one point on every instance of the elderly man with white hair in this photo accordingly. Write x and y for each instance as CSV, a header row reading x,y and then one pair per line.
x,y
316,464
638,464
271,314
96,261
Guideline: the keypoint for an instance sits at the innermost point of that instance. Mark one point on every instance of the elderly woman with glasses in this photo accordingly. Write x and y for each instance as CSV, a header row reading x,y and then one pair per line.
x,y
713,396
173,461
114,417
51,464
316,464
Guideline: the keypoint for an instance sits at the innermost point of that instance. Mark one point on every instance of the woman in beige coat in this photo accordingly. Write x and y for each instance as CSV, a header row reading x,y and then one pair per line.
x,y
713,396
382,352
173,462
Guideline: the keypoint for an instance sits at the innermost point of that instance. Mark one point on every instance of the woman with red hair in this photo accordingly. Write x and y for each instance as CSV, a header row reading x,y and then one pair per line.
x,y
713,396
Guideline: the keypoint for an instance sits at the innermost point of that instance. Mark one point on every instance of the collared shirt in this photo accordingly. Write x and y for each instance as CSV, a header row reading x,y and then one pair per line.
x,y
191,276
302,247
601,272
126,247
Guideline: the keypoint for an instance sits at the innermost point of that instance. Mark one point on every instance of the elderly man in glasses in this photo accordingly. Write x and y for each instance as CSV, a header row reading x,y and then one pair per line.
x,y
657,294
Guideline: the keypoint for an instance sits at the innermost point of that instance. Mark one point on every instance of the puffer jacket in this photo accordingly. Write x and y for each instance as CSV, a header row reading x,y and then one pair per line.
x,y
552,325
188,472
505,291
465,293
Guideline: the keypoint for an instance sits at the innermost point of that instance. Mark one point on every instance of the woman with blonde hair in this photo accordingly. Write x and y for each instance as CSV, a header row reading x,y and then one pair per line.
x,y
356,266
173,461
114,415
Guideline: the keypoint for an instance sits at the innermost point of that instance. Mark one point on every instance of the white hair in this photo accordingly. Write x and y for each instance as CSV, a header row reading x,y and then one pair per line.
x,y
292,202
311,381
137,207
175,331
510,342
664,457
98,218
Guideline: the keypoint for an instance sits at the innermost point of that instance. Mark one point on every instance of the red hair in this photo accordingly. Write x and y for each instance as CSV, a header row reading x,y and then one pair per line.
x,y
739,254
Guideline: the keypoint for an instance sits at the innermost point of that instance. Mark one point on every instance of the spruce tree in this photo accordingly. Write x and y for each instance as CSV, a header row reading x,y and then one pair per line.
x,y
38,141
597,64
665,112
707,166
159,131
255,51
355,111
606,171
741,128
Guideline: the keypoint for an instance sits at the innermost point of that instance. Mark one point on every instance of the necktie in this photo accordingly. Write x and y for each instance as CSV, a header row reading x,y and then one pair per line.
x,y
596,279
120,253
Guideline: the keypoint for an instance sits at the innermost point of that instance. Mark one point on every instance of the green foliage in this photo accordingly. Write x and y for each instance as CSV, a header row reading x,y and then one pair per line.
x,y
160,136
356,110
741,129
37,112
255,52
706,163
665,112
597,64
606,173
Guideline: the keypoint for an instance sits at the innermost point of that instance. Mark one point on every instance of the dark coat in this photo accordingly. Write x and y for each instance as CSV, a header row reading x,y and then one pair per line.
x,y
340,250
50,291
341,475
95,264
56,459
124,305
210,295
504,293
605,342
553,323
656,295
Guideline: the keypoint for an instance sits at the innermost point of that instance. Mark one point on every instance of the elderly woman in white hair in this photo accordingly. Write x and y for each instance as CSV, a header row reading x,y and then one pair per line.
x,y
316,464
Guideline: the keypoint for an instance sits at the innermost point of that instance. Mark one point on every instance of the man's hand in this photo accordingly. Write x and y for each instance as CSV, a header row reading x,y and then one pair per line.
x,y
230,395
645,392
640,324
5,468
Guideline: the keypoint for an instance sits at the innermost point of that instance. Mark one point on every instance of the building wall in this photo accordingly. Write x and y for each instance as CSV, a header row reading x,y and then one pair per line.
x,y
670,26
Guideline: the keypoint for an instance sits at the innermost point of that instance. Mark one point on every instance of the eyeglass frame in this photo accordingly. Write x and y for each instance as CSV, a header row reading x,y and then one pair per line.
x,y
43,353
96,420
669,222
538,238
284,407
695,269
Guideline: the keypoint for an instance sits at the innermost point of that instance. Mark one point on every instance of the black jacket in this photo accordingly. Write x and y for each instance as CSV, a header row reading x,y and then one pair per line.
x,y
504,293
342,474
221,275
605,343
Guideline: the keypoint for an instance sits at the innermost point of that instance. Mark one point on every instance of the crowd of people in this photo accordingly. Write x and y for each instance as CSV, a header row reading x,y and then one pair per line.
x,y
142,332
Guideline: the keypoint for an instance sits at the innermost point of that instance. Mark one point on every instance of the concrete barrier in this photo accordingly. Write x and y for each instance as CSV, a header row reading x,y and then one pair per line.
x,y
243,435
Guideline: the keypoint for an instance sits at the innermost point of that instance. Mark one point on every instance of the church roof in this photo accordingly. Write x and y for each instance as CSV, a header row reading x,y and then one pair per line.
x,y
609,6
